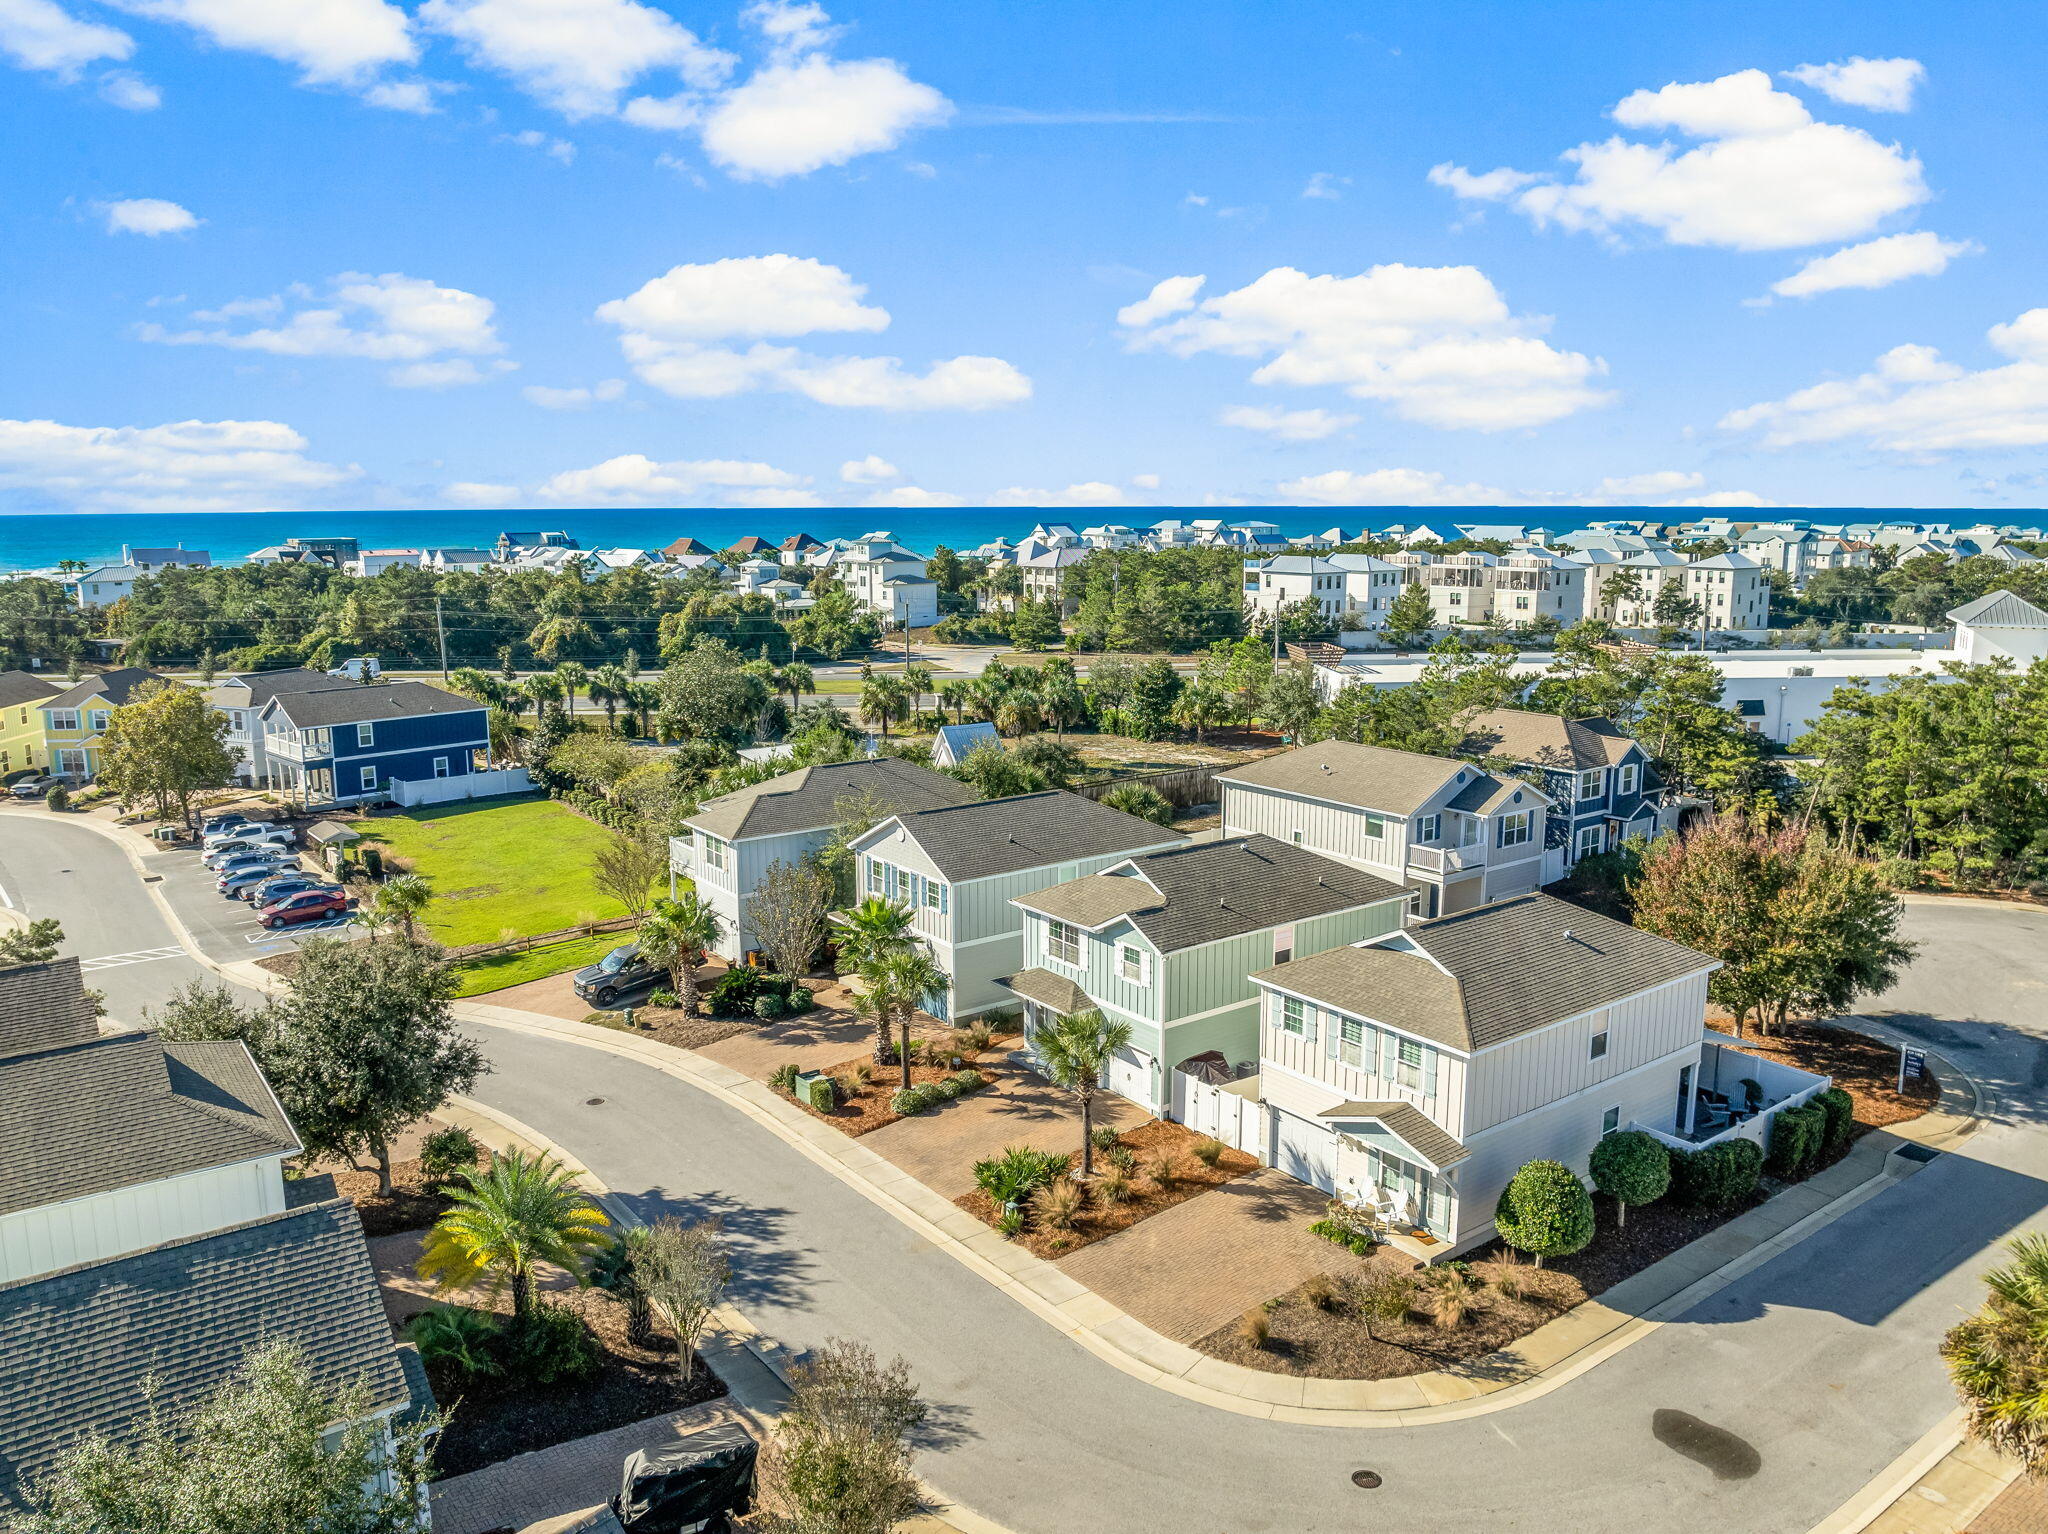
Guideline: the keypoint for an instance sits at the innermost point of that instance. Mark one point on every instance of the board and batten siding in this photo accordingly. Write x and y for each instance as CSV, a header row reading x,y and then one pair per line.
x,y
1552,1063
1218,974
1097,971
122,1220
1334,830
1306,1055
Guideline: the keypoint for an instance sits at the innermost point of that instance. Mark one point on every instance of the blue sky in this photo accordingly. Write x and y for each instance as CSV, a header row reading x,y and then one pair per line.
x,y
313,253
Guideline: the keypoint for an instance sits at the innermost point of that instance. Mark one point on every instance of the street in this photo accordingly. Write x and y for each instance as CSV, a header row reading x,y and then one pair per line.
x,y
1763,1409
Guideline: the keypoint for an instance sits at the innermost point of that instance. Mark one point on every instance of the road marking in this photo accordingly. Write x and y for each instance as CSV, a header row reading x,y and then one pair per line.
x,y
285,934
5,898
140,956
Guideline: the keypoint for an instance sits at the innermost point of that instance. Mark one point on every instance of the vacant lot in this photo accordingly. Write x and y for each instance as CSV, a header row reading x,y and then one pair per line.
x,y
522,864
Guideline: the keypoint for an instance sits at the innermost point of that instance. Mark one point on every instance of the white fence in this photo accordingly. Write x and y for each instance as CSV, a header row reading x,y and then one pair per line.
x,y
468,785
1722,1070
1236,1119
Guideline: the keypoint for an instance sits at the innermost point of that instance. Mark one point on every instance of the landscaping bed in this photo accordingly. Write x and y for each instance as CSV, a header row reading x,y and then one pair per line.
x,y
415,1201
493,1419
1149,1143
1864,1067
864,1106
670,1025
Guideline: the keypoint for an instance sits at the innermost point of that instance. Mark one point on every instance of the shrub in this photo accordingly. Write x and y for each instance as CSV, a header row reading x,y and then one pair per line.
x,y
1450,1298
1163,1169
446,1152
801,1000
551,1343
1796,1135
819,1093
911,1100
1208,1151
1839,1110
768,1006
1254,1328
1387,1299
974,1039
1012,1177
1752,1094
1631,1167
1719,1176
1112,1187
969,1080
1010,1223
947,1089
663,998
58,798
734,993
1103,1137
1141,800
1123,1158
1058,1204
1360,1245
457,1339
1321,1291
1507,1273
783,1079
1545,1211
1899,873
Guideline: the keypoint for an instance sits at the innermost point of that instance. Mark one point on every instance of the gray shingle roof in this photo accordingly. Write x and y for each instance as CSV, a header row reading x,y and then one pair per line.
x,y
1546,740
1207,891
115,687
808,799
1491,974
81,1342
261,686
44,1006
19,687
1001,836
128,1108
1047,989
1436,1145
359,703
1368,777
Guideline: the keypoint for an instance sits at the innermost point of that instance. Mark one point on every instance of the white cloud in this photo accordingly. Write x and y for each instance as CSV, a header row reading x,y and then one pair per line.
x,y
1287,425
147,215
128,91
330,41
1734,498
793,118
871,470
1914,402
180,466
559,150
1436,344
1767,177
1641,489
392,318
1875,263
576,56
1389,487
414,96
633,479
1326,185
447,373
913,498
671,327
1145,481
38,34
470,492
1878,85
1092,492
1171,295
574,399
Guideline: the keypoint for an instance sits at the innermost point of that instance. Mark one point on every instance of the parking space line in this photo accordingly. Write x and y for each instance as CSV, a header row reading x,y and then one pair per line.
x,y
140,956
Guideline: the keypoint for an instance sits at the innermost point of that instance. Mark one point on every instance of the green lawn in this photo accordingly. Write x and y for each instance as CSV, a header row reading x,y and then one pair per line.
x,y
500,970
517,863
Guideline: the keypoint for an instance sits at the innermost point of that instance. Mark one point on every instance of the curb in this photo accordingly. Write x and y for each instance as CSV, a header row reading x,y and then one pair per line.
x,y
1939,1485
1539,1363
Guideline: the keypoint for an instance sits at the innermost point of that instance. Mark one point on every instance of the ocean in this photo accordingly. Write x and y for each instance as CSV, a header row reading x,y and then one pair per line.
x,y
29,542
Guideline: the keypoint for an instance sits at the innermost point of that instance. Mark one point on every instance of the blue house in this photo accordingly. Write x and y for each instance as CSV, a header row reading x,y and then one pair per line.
x,y
1599,778
353,742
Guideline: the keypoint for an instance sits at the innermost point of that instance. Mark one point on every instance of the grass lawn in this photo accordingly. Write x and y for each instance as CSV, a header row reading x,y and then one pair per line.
x,y
518,863
498,971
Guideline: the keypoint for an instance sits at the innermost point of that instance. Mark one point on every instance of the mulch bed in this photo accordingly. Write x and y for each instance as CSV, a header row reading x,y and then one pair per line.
x,y
1866,1068
670,1025
412,1203
492,1420
864,1107
1149,1142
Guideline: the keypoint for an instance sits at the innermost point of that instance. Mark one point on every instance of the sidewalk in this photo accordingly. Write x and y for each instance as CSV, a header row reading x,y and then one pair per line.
x,y
1944,1484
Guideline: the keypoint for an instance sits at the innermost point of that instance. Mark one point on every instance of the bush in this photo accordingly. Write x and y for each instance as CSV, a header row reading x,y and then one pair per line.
x,y
1208,1151
1450,1298
733,993
58,798
818,1093
1141,800
1254,1328
1321,1291
1752,1095
1900,873
947,1089
552,1343
1163,1169
1717,1177
1123,1158
446,1152
1112,1187
1103,1138
1058,1204
1389,1298
1839,1109
1631,1168
969,1080
1796,1136
457,1339
973,1039
1013,1176
663,998
801,1000
768,1006
1545,1211
783,1079
911,1100
1010,1223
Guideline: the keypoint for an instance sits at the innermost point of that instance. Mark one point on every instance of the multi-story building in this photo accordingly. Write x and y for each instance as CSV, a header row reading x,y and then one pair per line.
x,y
885,578
106,585
1458,835
1371,587
22,742
74,720
1290,579
1516,588
1414,1074
345,744
1733,591
243,698
163,559
1166,942
957,867
1041,570
731,841
1601,785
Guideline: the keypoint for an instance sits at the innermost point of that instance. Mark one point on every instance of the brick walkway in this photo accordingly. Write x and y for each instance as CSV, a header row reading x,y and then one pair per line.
x,y
2022,1508
1203,1263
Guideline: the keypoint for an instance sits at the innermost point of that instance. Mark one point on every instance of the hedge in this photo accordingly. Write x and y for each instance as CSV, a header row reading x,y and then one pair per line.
x,y
1840,1110
927,1095
1718,1176
1796,1136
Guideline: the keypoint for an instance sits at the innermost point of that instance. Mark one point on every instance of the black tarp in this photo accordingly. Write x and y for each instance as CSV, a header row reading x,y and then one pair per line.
x,y
693,1486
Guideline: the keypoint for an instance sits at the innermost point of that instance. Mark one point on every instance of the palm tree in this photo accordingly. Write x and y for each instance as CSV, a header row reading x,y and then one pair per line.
x,y
917,677
882,698
796,680
472,683
1998,1358
545,689
956,696
404,898
573,675
610,686
643,699
896,985
675,936
372,914
1074,1052
506,1220
871,930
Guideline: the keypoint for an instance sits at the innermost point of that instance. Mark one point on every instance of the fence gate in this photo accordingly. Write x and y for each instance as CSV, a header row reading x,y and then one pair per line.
x,y
1208,1109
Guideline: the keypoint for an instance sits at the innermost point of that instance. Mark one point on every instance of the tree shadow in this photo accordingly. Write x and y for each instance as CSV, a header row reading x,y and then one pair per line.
x,y
765,1268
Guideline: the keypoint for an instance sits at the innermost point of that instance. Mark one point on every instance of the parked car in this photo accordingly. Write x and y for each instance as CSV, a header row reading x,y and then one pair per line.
x,y
279,885
246,833
239,883
270,864
358,668
308,905
235,822
240,846
35,785
618,972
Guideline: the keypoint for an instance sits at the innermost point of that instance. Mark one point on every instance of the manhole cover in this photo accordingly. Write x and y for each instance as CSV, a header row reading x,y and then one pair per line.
x,y
1366,1480
593,1102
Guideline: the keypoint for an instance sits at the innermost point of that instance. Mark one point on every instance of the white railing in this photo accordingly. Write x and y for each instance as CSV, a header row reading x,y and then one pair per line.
x,y
467,785
1722,1070
1447,860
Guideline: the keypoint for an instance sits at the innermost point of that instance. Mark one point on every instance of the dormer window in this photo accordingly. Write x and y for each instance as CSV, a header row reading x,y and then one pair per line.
x,y
1631,776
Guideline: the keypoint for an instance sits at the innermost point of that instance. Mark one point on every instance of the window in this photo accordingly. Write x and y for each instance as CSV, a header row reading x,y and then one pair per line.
x,y
1375,826
1589,785
934,896
63,718
1514,829
1428,828
368,779
1408,1065
1130,963
1351,1041
440,766
1610,1121
238,721
1063,943
1631,776
1296,837
1597,1050
366,735
1293,1016
714,852
1590,838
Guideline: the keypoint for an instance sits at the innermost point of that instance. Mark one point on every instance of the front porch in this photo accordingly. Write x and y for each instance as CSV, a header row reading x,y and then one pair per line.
x,y
1734,1095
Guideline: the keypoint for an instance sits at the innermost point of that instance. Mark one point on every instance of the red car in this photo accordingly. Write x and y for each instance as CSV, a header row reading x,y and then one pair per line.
x,y
306,905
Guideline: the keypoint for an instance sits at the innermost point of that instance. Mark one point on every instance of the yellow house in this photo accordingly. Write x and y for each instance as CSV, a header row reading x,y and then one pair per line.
x,y
74,721
21,723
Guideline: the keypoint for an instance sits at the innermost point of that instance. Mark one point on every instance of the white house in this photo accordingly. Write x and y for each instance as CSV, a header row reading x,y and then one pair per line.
x,y
163,559
954,741
1290,579
108,584
243,698
376,561
1415,1073
885,578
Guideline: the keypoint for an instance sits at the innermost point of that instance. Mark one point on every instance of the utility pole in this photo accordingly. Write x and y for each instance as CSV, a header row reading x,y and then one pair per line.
x,y
441,634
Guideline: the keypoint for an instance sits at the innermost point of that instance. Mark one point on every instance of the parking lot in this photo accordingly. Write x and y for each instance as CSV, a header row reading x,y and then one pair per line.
x,y
226,930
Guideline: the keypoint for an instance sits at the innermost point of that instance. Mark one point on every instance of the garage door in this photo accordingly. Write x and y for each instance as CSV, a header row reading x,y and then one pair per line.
x,y
1130,1075
1305,1151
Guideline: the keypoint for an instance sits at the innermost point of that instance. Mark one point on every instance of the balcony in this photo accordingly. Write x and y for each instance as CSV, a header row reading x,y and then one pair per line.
x,y
1447,860
1722,1107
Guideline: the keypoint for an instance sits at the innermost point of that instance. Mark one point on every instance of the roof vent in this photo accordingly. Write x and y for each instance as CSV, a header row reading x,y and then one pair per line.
x,y
1567,934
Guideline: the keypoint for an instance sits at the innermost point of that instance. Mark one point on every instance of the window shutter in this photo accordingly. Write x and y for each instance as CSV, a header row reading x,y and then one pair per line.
x,y
1389,1053
1429,1073
1327,1021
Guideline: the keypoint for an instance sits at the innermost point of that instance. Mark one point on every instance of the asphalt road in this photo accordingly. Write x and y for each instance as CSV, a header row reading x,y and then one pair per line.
x,y
1762,1410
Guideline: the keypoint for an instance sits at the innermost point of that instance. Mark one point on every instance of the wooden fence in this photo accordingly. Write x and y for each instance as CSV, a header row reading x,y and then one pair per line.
x,y
539,939
1178,786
